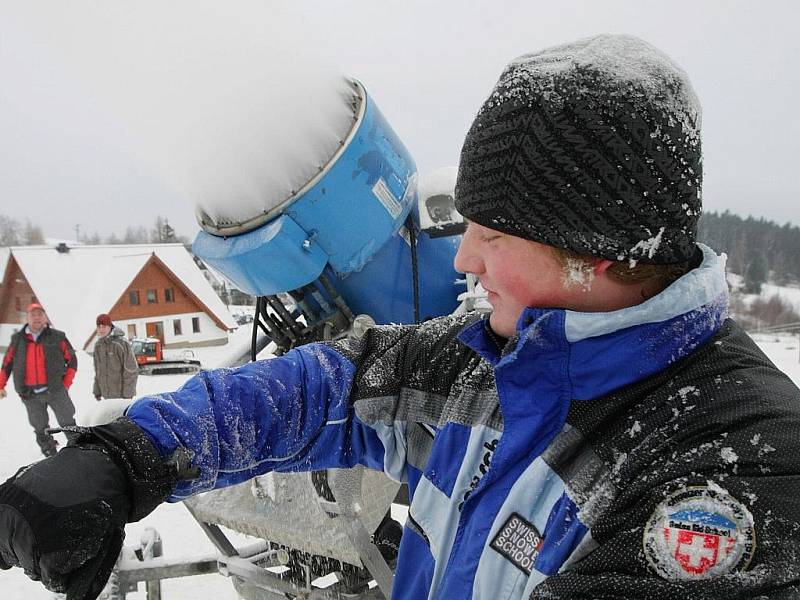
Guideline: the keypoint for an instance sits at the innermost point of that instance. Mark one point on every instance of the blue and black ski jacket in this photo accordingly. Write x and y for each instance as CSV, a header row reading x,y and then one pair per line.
x,y
552,467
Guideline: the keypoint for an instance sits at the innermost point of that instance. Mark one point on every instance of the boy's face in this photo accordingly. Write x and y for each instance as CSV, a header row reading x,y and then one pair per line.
x,y
515,272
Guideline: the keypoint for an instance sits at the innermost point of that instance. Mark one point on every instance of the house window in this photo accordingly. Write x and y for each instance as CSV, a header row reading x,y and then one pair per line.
x,y
17,303
195,324
131,331
133,297
152,297
176,327
169,295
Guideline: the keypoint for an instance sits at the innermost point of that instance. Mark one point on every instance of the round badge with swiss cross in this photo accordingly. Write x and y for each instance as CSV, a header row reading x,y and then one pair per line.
x,y
699,533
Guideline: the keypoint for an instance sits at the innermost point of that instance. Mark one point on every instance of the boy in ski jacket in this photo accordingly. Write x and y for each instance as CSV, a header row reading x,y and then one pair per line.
x,y
607,431
115,367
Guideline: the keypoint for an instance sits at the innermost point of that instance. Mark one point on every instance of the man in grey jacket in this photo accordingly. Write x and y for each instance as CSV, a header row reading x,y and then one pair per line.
x,y
115,368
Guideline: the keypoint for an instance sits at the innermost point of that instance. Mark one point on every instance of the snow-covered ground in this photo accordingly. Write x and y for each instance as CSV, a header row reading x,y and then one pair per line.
x,y
181,535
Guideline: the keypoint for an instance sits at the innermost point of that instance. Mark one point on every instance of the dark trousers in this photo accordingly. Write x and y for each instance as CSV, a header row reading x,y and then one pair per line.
x,y
36,405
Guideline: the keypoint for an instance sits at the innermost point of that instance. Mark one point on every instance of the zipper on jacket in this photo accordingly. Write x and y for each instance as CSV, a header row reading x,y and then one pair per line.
x,y
416,528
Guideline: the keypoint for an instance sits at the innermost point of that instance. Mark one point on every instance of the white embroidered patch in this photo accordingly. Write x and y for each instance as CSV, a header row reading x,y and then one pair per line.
x,y
699,533
519,541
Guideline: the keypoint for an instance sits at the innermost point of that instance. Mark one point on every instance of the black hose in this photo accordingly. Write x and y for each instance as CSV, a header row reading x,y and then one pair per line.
x,y
256,323
412,237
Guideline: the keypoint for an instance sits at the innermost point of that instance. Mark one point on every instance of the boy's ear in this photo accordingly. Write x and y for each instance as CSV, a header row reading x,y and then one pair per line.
x,y
601,266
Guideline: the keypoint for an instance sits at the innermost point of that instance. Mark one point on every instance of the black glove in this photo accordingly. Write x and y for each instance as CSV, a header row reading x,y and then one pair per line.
x,y
63,519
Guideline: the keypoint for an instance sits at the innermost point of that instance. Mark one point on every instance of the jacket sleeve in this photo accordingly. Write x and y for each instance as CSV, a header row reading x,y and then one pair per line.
x,y
96,391
292,413
8,365
130,371
71,361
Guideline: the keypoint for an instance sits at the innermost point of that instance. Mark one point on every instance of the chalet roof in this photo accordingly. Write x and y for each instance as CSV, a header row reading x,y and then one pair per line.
x,y
75,286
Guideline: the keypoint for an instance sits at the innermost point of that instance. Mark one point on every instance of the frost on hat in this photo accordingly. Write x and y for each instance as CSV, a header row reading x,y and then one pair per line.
x,y
592,146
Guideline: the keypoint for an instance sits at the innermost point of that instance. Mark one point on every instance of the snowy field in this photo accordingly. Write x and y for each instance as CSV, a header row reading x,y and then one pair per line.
x,y
181,535
179,531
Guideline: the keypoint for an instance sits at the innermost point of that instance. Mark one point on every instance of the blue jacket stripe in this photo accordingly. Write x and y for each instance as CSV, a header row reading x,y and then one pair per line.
x,y
493,566
562,535
441,514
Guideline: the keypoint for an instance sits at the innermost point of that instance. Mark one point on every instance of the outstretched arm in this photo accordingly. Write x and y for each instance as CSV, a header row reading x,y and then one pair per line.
x,y
291,413
222,427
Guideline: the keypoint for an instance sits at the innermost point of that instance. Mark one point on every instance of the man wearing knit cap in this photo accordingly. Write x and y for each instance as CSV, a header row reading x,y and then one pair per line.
x,y
115,367
606,432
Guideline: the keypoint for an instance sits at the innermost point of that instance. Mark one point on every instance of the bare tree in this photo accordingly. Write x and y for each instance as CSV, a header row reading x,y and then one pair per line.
x,y
136,235
92,239
32,234
9,231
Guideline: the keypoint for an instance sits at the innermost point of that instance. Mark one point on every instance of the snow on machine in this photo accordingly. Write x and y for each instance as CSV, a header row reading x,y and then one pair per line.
x,y
349,244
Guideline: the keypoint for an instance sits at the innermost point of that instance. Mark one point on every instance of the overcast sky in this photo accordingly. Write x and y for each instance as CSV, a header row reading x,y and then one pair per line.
x,y
72,74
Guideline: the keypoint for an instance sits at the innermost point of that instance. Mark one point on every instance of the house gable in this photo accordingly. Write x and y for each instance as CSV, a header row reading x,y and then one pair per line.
x,y
75,286
153,281
15,295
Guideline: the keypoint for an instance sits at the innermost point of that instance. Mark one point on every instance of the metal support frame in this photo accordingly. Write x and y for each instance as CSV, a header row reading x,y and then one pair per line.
x,y
146,564
256,569
153,571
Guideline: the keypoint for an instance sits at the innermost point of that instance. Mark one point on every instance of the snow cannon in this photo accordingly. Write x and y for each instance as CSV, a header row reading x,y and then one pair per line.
x,y
343,239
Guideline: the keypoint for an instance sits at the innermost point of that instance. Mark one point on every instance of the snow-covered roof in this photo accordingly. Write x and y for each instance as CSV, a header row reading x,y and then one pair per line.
x,y
75,286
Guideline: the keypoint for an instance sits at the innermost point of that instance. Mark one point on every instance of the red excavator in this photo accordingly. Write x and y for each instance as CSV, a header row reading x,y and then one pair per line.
x,y
150,357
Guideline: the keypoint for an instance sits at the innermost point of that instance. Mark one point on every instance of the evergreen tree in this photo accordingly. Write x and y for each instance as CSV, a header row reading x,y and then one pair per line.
x,y
756,273
743,239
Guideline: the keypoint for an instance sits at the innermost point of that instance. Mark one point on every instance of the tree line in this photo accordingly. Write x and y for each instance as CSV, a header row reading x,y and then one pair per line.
x,y
15,233
759,250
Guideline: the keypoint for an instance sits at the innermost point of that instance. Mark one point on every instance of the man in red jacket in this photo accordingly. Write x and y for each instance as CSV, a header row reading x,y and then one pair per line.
x,y
42,363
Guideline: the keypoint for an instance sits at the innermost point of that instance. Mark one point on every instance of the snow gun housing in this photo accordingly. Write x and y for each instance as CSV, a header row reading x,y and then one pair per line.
x,y
352,246
351,241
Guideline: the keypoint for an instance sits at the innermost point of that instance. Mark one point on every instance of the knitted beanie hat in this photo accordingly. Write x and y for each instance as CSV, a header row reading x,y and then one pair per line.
x,y
593,147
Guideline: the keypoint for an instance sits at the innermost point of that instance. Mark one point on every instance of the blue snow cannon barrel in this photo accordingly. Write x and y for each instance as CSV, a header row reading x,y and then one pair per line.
x,y
348,238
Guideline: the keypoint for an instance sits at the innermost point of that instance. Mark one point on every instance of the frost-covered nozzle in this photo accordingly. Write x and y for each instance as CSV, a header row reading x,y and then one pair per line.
x,y
305,123
437,212
592,146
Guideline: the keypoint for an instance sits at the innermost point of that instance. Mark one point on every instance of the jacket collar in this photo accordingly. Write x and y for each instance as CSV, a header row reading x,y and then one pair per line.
x,y
608,350
26,331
